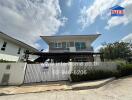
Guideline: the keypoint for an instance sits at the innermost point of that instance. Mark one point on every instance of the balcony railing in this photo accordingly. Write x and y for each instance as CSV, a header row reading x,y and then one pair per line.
x,y
58,49
87,49
68,50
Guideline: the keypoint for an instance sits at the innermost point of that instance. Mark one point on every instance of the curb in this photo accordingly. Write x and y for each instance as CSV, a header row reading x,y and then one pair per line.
x,y
93,86
68,89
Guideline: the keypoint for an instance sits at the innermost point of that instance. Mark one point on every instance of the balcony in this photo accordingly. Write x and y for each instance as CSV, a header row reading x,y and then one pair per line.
x,y
68,50
59,50
84,50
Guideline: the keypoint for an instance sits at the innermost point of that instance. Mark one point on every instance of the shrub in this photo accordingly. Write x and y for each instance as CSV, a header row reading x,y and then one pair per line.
x,y
125,69
122,70
92,75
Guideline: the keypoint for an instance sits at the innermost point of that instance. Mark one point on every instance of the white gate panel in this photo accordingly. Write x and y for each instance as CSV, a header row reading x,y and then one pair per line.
x,y
46,72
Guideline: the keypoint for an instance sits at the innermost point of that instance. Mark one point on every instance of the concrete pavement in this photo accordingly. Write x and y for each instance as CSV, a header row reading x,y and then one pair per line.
x,y
52,86
120,89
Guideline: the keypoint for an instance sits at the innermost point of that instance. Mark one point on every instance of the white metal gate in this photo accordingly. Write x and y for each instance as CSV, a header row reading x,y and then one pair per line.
x,y
46,72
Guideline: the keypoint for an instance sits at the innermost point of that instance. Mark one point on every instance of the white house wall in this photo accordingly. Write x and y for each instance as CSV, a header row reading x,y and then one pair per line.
x,y
11,50
9,57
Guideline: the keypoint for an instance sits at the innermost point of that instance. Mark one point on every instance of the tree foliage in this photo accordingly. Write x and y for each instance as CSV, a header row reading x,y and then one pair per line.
x,y
117,50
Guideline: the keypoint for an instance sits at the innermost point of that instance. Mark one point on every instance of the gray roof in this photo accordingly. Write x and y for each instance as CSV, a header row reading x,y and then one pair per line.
x,y
91,37
18,42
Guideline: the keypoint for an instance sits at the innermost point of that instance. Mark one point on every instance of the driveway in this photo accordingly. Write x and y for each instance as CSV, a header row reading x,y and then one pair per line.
x,y
120,89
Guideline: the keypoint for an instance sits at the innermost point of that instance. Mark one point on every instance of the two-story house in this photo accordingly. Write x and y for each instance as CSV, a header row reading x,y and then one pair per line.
x,y
12,49
69,48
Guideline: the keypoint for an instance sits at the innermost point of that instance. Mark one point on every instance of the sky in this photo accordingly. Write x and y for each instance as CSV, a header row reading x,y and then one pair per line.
x,y
27,20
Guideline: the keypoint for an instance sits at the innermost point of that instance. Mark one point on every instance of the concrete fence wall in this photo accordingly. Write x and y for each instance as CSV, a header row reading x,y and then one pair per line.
x,y
17,73
105,66
12,73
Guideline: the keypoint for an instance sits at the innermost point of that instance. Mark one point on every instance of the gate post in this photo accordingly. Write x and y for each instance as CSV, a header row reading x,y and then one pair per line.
x,y
70,70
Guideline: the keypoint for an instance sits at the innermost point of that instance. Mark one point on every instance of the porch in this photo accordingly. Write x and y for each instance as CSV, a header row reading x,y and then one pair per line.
x,y
66,56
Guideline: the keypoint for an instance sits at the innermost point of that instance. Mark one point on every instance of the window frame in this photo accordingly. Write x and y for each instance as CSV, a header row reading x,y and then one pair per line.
x,y
79,45
19,51
3,48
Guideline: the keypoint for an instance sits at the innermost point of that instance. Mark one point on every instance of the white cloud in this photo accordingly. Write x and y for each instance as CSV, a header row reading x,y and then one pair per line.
x,y
127,38
69,3
127,18
98,8
96,49
101,8
116,21
46,50
26,20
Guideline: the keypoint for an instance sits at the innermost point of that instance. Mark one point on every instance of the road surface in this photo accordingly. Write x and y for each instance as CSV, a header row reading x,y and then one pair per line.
x,y
120,89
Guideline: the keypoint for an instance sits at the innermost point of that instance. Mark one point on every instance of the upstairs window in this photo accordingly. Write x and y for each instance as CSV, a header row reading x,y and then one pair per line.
x,y
19,51
59,45
4,46
71,44
55,44
80,45
52,45
68,45
63,44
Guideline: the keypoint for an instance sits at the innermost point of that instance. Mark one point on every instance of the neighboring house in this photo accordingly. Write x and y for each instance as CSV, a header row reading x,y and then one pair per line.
x,y
69,48
14,50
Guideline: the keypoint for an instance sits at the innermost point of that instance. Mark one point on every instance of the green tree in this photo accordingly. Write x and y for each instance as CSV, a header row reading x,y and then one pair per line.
x,y
117,50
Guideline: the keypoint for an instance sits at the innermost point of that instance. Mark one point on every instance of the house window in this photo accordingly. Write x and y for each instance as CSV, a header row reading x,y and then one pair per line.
x,y
8,67
68,45
52,45
19,51
56,45
59,45
83,45
63,44
80,45
71,44
4,46
27,51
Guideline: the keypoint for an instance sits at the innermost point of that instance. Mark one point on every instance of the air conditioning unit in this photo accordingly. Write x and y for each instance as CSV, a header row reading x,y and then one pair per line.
x,y
72,49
